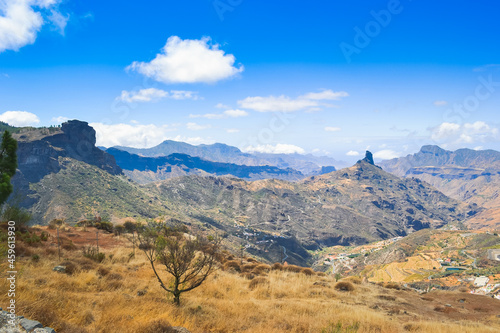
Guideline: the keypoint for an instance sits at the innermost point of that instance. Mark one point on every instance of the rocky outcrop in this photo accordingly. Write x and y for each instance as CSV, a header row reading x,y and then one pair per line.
x,y
40,151
18,324
38,156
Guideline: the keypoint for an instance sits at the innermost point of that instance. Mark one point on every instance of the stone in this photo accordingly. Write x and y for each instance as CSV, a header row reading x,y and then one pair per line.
x,y
60,269
49,330
178,329
30,325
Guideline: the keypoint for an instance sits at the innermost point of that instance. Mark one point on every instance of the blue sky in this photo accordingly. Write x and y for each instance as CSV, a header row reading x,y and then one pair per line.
x,y
329,77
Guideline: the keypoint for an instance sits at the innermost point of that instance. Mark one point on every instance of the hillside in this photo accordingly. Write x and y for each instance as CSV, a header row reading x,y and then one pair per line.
x,y
467,175
445,259
120,294
350,206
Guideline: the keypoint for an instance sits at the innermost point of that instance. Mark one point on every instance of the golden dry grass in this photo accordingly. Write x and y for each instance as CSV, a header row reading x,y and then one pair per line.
x,y
122,295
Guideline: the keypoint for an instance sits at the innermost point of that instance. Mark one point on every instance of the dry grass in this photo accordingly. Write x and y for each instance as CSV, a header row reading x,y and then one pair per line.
x,y
104,298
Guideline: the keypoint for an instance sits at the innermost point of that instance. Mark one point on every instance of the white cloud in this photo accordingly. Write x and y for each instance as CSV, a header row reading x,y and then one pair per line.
x,y
137,136
189,61
60,119
352,153
19,118
452,133
332,129
386,154
183,94
59,20
196,127
440,103
235,113
309,102
154,95
193,140
21,20
279,148
222,106
445,131
232,130
226,114
325,94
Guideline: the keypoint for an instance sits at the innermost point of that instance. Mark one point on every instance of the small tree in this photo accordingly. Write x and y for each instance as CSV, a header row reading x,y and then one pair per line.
x,y
188,259
8,165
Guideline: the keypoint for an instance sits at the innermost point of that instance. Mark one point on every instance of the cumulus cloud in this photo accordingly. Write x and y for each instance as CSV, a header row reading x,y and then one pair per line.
x,y
309,101
386,154
19,118
21,20
196,127
189,61
60,119
154,95
452,133
440,103
226,114
332,129
325,94
279,148
352,153
137,136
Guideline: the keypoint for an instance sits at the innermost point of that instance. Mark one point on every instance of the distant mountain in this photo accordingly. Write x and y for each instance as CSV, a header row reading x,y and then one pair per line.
x,y
472,176
218,152
436,156
149,169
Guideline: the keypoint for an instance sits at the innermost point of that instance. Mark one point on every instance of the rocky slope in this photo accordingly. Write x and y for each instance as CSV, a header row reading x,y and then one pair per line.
x,y
467,175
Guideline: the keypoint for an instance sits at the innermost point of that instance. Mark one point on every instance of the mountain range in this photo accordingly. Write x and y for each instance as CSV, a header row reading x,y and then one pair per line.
x,y
62,174
467,175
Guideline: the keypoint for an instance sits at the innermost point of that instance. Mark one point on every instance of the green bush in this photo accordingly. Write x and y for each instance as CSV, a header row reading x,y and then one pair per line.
x,y
92,253
14,213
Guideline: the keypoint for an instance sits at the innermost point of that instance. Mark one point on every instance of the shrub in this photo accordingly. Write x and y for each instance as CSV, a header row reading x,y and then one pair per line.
x,y
293,268
103,271
14,213
344,286
393,285
277,266
261,269
248,267
119,229
35,258
257,281
232,264
308,271
70,267
91,253
130,226
250,259
354,279
56,223
248,276
158,326
104,225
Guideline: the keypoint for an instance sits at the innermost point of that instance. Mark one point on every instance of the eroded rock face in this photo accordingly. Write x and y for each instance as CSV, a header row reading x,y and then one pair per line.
x,y
38,155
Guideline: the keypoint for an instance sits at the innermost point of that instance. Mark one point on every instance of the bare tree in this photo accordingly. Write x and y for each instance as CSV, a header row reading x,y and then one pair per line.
x,y
188,259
